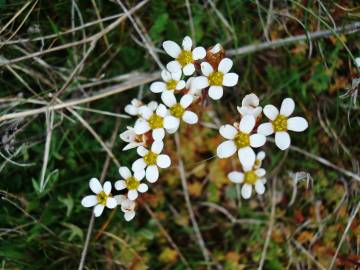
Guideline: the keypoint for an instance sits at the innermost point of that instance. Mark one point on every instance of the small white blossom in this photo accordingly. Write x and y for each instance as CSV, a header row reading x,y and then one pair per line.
x,y
178,111
172,82
250,105
127,206
131,182
152,120
240,139
134,107
151,161
101,199
216,79
281,123
132,139
249,178
259,159
184,57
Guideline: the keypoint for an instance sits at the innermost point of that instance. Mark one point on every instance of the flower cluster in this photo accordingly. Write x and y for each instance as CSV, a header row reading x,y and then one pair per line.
x,y
194,75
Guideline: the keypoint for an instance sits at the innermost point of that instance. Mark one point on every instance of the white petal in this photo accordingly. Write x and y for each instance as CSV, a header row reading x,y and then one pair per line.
x,y
176,75
250,100
120,199
357,62
260,172
142,151
89,201
120,185
187,43
138,165
111,203
216,48
129,215
198,53
215,92
225,65
98,210
261,155
186,100
146,112
166,75
257,140
189,69
128,136
282,140
168,98
271,112
163,161
171,122
132,194
139,175
246,191
266,129
124,172
199,82
246,157
247,123
174,66
158,134
190,117
206,68
161,110
107,187
230,79
157,147
287,107
152,173
152,105
236,177
143,188
226,149
259,187
297,124
131,109
228,131
141,127
180,85
157,87
95,185
171,48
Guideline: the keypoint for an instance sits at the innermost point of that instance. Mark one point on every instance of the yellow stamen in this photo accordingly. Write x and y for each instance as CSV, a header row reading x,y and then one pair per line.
x,y
155,121
280,123
242,140
216,78
184,58
150,158
171,84
250,177
177,110
132,183
102,197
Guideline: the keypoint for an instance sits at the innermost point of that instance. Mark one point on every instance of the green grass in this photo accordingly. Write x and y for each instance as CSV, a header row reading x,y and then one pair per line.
x,y
48,229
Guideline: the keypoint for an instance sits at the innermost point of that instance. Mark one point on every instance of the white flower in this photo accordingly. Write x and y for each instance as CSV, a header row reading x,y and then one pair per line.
x,y
134,107
184,58
250,105
240,139
127,206
357,61
171,82
216,79
249,178
131,182
259,159
151,160
178,111
101,199
132,139
281,123
152,120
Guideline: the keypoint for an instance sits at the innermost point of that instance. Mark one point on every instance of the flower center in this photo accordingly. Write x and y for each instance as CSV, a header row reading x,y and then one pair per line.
x,y
102,198
177,110
171,84
216,78
241,140
184,58
250,178
156,121
150,158
132,183
280,123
